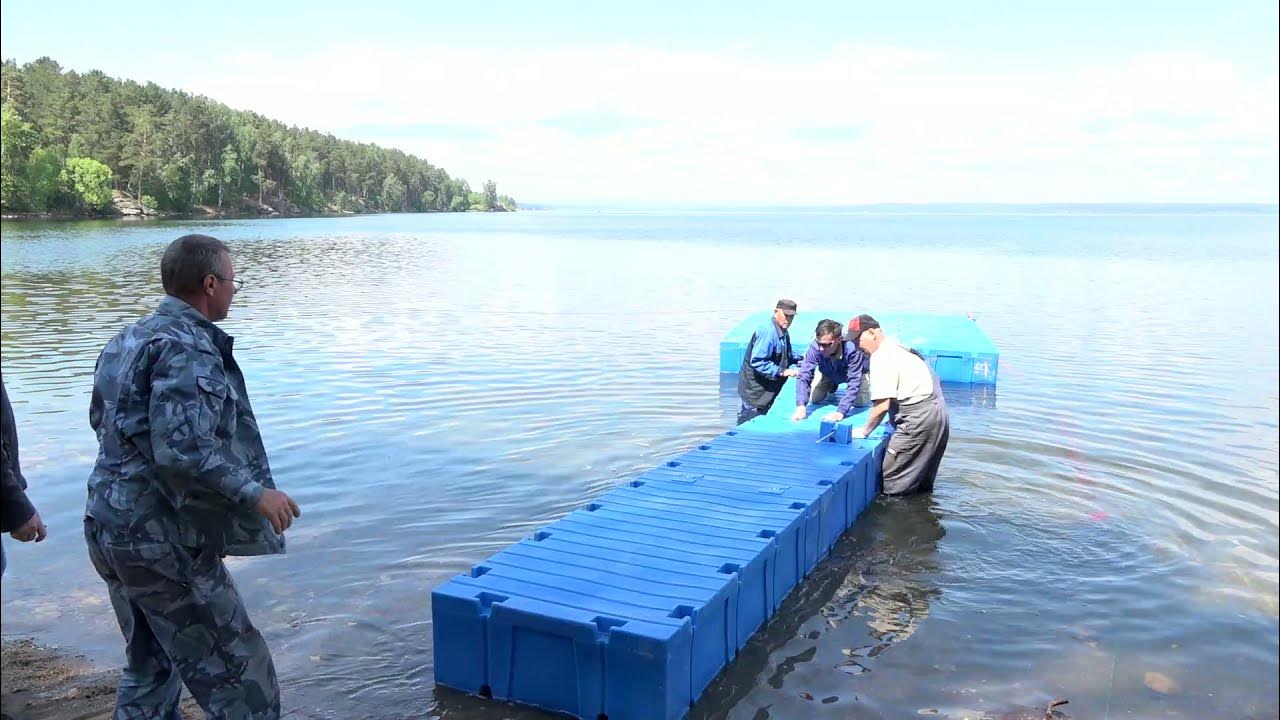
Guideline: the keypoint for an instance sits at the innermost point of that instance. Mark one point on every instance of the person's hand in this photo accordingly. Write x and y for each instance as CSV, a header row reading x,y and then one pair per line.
x,y
858,433
279,508
801,413
790,372
836,416
32,529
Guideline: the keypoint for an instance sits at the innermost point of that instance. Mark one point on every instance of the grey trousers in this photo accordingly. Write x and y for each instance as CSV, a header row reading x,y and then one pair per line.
x,y
183,622
920,436
823,386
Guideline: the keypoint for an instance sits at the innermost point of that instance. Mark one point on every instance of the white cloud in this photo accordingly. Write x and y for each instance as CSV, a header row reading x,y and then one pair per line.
x,y
848,125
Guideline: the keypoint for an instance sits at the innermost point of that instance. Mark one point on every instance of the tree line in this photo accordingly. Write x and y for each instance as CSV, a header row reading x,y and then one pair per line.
x,y
71,140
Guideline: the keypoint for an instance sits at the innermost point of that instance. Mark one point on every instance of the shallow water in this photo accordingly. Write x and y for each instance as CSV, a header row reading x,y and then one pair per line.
x,y
434,387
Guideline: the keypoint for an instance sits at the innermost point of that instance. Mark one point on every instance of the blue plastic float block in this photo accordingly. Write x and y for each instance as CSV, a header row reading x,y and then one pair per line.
x,y
956,346
770,433
714,617
865,484
784,466
842,465
822,501
841,433
784,519
631,606
726,550
707,594
875,481
703,506
489,636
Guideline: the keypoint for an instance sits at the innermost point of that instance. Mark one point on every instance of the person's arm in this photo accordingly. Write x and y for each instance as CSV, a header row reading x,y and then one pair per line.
x,y
879,409
852,381
15,508
21,519
883,379
804,380
761,354
804,377
188,401
18,516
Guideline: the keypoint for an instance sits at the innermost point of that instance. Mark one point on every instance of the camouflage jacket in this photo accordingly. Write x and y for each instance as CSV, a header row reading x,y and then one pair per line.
x,y
180,459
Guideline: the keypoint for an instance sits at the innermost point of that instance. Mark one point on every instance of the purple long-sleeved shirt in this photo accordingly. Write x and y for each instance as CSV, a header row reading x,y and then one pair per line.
x,y
850,365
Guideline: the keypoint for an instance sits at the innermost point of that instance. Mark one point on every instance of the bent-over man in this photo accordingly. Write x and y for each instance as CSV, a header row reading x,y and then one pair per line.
x,y
829,361
904,387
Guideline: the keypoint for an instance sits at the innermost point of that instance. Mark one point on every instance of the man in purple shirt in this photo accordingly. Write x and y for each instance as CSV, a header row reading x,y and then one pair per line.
x,y
831,359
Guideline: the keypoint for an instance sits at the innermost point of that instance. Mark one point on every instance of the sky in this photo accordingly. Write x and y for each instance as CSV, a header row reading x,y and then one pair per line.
x,y
735,103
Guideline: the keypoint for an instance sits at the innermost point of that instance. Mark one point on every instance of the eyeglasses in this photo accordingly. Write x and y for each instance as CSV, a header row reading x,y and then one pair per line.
x,y
236,283
828,343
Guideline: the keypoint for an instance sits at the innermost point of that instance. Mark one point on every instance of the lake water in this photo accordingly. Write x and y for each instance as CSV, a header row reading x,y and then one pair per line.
x,y
432,388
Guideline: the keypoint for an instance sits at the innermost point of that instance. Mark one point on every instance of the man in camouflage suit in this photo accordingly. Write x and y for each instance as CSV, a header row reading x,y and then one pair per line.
x,y
180,482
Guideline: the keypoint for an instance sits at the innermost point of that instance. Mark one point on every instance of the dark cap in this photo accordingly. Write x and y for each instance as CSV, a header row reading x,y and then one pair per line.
x,y
858,325
788,307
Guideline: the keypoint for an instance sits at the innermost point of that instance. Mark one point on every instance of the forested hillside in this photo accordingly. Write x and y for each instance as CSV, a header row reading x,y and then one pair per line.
x,y
72,141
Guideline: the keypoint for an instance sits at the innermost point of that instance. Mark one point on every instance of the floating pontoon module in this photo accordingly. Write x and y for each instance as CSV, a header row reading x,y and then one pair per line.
x,y
628,607
955,345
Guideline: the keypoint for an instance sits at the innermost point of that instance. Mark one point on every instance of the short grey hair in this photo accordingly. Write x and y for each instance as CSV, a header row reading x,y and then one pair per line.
x,y
188,261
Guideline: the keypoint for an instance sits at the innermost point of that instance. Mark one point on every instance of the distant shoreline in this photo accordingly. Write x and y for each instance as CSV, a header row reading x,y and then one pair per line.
x,y
935,209
197,215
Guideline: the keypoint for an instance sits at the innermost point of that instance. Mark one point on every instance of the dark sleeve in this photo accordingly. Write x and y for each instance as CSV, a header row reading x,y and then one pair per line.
x,y
761,353
853,380
804,380
15,508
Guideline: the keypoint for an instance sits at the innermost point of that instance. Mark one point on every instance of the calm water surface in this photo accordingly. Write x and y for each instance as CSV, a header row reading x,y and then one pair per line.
x,y
432,388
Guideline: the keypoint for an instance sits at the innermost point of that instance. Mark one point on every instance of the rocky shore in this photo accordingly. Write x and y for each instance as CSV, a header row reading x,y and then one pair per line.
x,y
43,683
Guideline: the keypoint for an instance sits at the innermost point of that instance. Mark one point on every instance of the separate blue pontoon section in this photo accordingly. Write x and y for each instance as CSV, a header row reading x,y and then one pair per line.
x,y
631,605
955,345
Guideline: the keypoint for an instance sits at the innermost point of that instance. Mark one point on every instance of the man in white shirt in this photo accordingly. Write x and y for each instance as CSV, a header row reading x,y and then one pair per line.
x,y
904,387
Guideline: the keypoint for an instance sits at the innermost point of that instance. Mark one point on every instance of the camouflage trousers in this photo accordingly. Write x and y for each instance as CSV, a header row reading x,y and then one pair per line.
x,y
183,622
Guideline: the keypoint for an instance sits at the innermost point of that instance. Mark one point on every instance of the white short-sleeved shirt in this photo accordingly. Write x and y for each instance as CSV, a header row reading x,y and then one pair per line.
x,y
897,374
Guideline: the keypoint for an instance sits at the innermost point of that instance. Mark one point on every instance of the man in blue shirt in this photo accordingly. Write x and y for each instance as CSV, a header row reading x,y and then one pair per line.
x,y
766,364
831,359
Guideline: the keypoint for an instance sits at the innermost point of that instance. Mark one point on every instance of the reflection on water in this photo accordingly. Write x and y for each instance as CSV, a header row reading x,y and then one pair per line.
x,y
876,588
895,602
980,396
433,388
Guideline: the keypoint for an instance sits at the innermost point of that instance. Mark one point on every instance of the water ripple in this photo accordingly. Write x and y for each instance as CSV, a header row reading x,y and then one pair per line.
x,y
433,388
